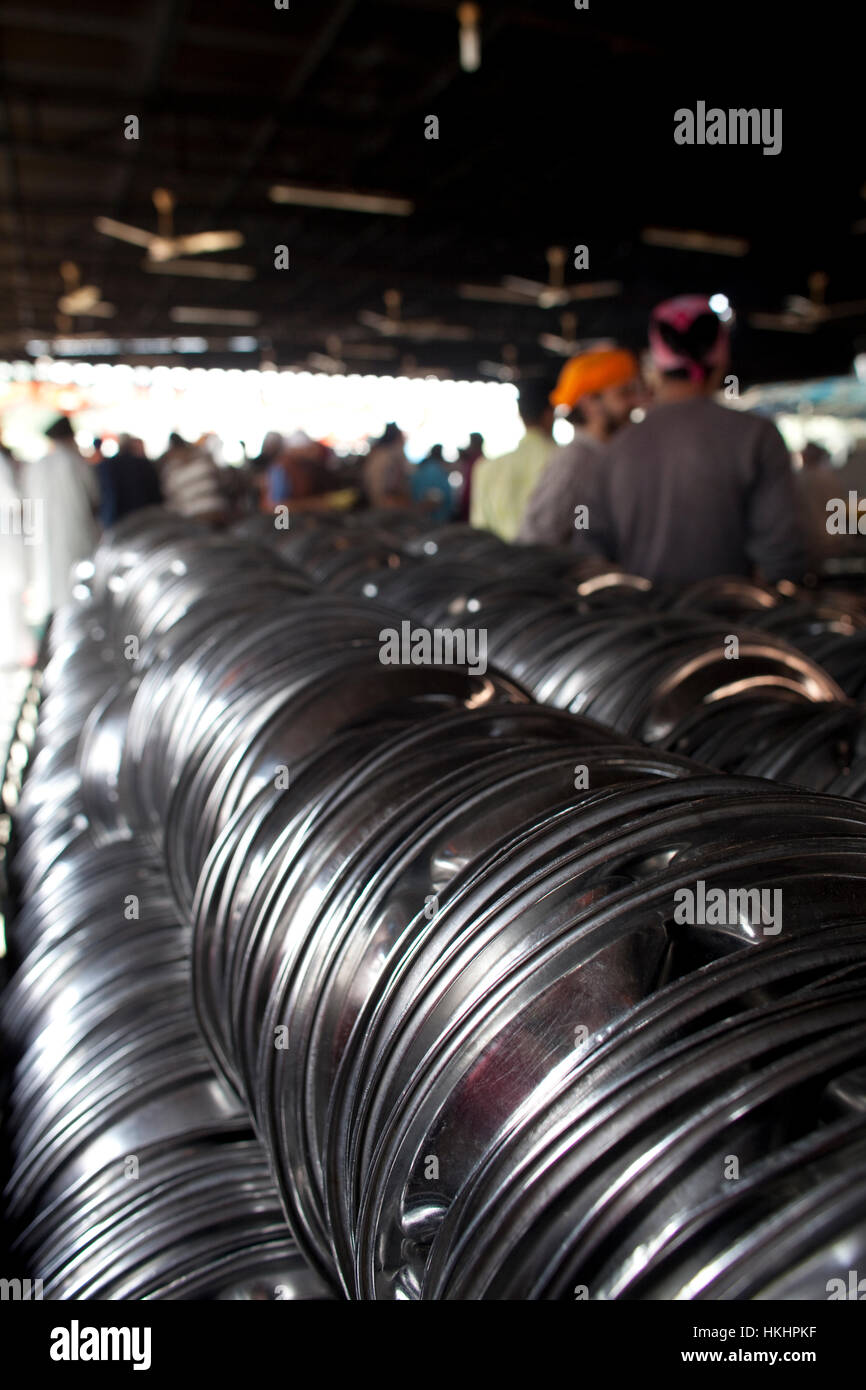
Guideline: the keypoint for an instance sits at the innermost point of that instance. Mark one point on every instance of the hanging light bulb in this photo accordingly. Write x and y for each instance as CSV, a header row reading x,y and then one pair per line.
x,y
470,37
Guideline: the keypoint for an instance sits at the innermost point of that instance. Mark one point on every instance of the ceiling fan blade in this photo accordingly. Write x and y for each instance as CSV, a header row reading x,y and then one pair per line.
x,y
572,347
80,300
783,323
798,304
321,362
240,318
426,330
553,343
379,322
532,288
204,270
373,352
595,289
498,369
121,231
196,244
695,241
851,309
495,294
342,201
75,307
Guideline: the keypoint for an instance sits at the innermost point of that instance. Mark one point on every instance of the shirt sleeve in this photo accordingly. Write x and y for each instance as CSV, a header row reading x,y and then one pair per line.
x,y
593,530
775,540
547,519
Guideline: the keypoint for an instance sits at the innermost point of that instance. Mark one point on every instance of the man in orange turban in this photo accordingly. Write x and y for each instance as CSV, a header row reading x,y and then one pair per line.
x,y
599,390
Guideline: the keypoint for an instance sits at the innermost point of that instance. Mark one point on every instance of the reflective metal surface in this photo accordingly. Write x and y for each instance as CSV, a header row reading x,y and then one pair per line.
x,y
448,931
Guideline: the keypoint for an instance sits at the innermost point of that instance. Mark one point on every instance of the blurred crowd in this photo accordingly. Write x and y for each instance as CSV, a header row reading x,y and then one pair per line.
x,y
52,510
663,477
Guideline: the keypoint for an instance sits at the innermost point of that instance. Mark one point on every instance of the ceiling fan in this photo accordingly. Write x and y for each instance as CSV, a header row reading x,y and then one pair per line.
x,y
391,324
163,245
803,315
695,241
567,344
506,370
81,300
330,360
514,289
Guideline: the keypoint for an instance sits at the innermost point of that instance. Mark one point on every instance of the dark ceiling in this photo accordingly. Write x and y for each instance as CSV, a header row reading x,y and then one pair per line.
x,y
563,137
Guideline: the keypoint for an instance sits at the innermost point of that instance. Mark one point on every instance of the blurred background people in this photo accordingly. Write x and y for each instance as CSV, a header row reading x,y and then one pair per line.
x,y
272,446
816,482
386,471
469,456
696,489
128,481
430,487
64,491
501,487
16,644
190,482
599,390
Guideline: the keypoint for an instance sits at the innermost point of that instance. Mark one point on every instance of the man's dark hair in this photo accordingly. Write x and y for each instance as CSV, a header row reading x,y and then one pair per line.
x,y
60,429
534,399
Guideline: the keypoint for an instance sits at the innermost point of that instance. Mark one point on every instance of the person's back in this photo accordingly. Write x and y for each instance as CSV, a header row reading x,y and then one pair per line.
x,y
599,390
65,490
501,487
430,487
698,489
128,482
385,472
191,484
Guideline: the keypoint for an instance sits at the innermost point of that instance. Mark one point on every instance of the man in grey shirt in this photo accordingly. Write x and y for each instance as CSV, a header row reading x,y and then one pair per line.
x,y
696,489
601,389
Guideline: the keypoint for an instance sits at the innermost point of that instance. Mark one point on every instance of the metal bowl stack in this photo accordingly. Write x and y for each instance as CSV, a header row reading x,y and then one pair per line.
x,y
134,1171
519,1006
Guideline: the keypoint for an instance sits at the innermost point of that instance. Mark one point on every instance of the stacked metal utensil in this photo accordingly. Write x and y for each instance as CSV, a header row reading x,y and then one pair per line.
x,y
134,1171
520,1006
742,676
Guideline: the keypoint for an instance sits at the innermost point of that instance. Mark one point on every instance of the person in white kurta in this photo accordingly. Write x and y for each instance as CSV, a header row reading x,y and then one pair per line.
x,y
16,644
63,491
